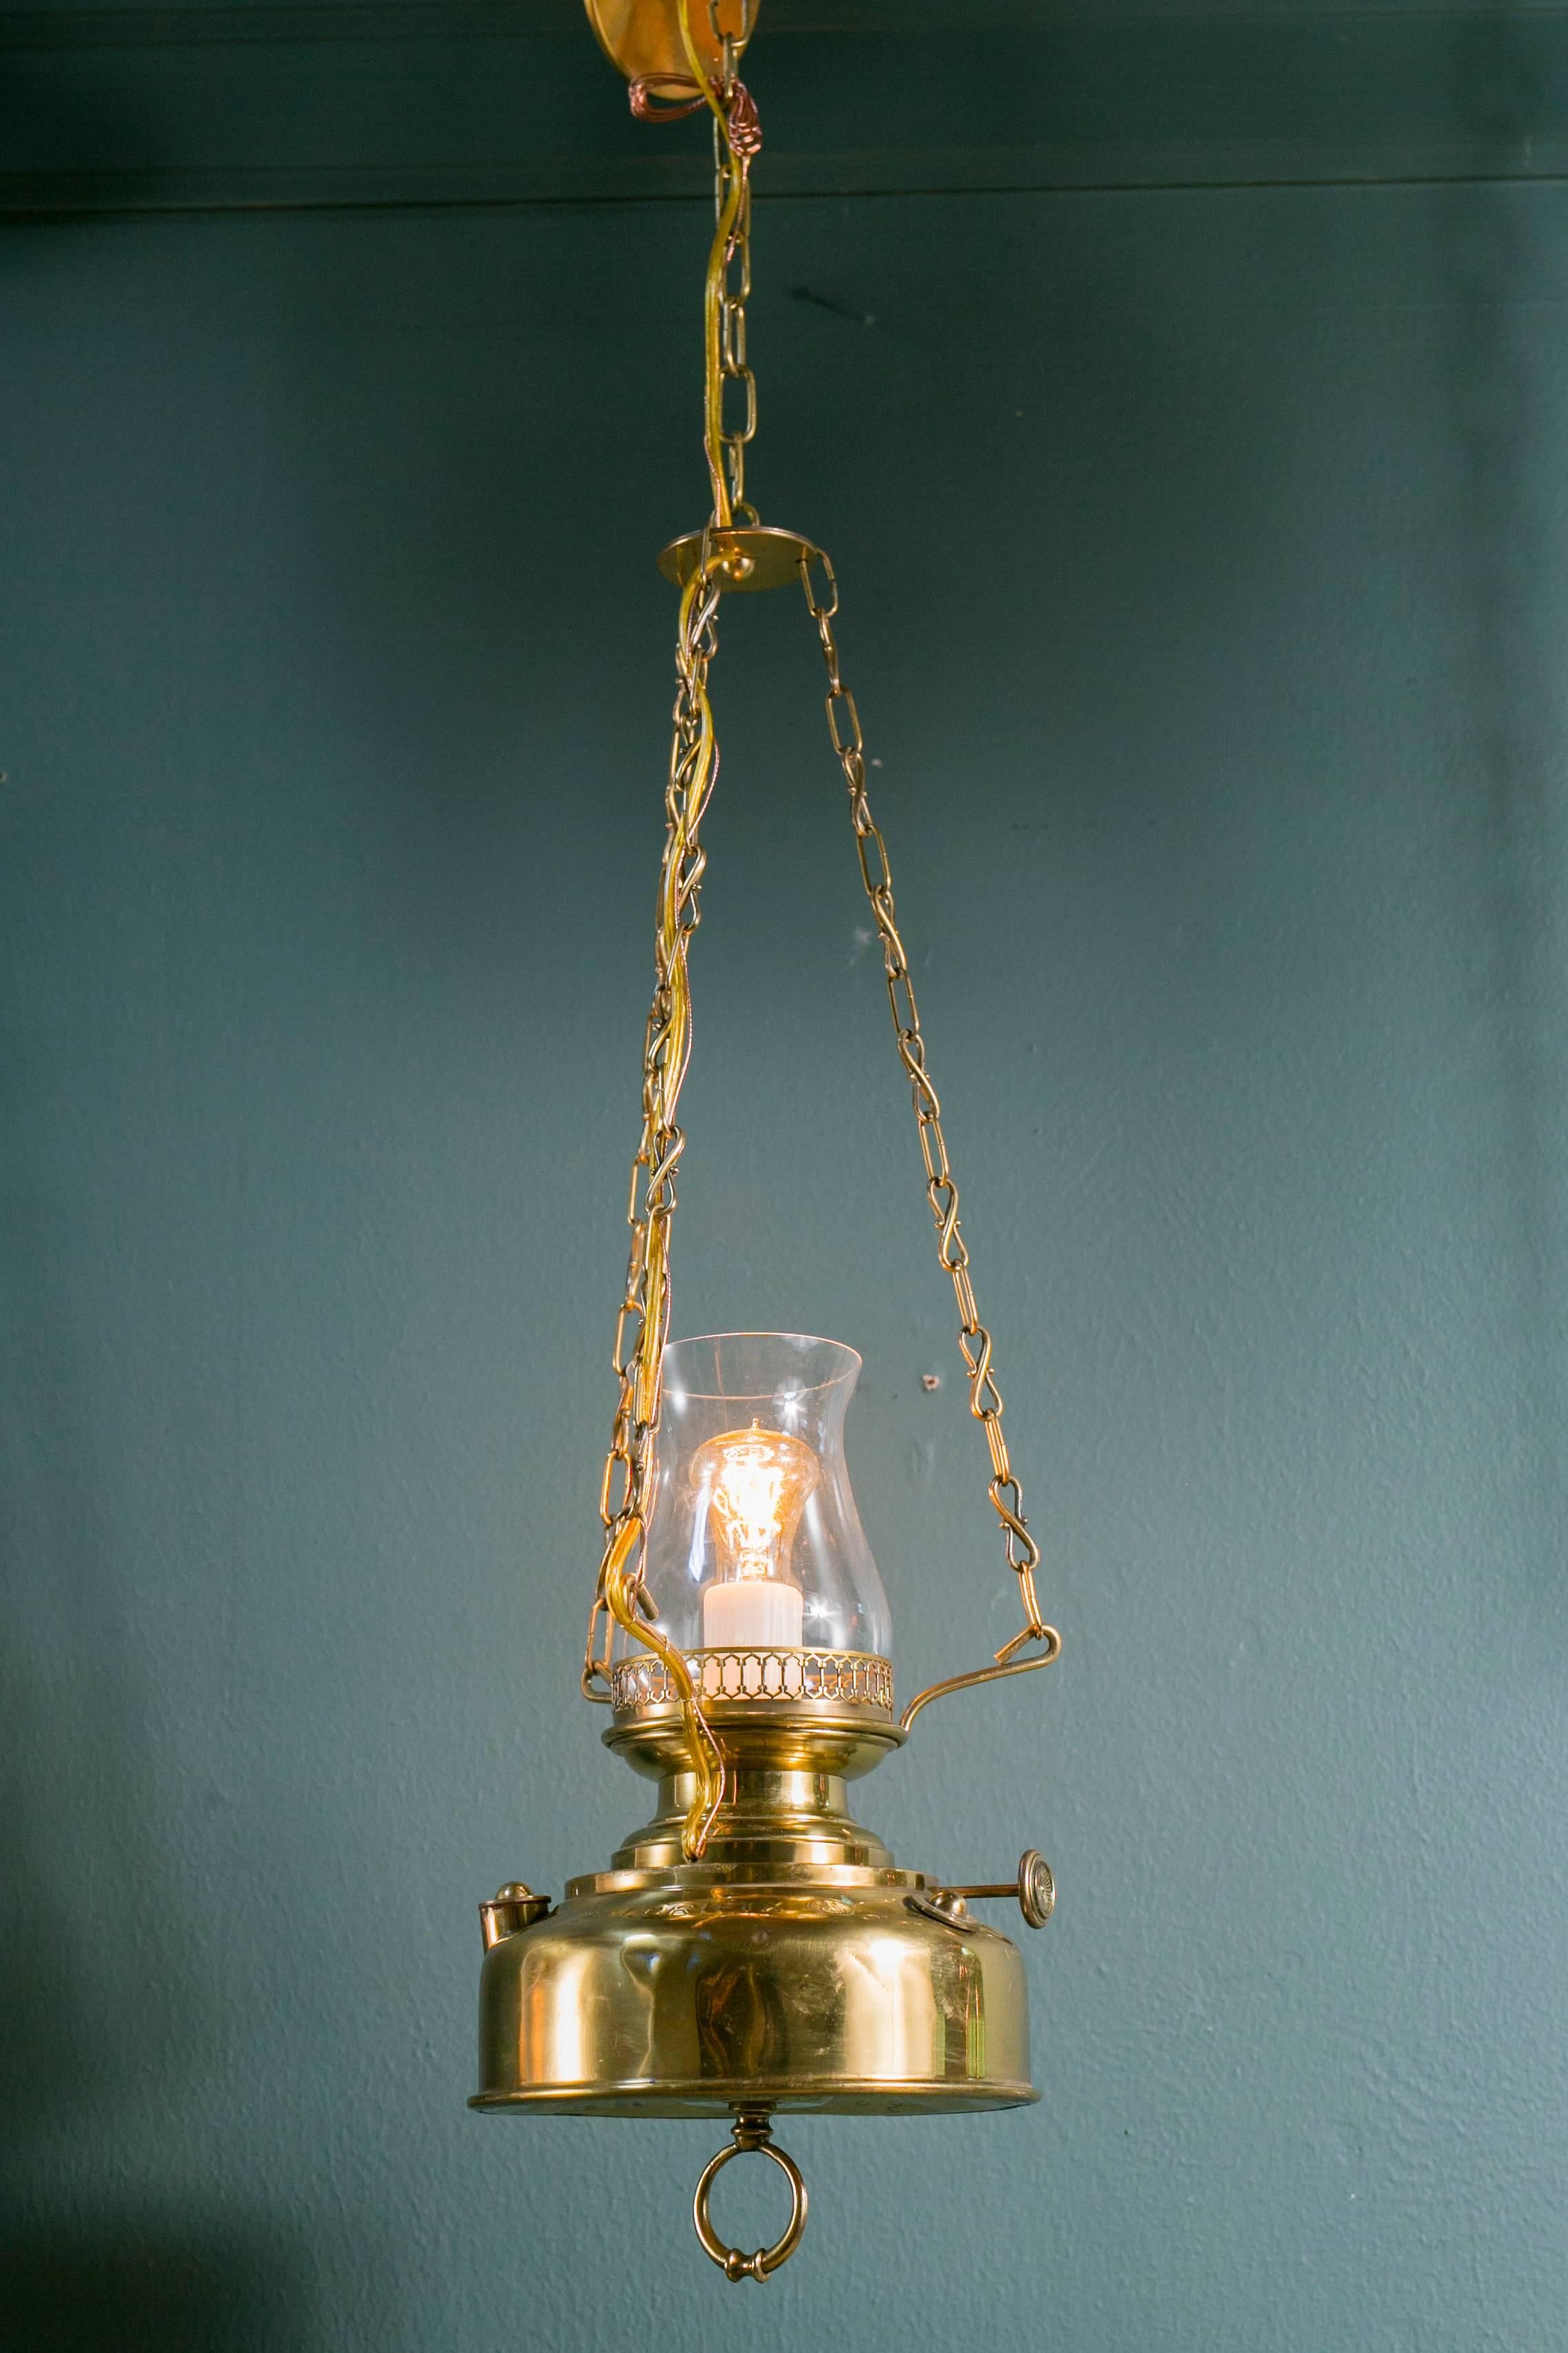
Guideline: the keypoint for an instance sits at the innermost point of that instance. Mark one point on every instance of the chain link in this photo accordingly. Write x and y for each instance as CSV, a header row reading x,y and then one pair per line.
x,y
732,243
941,1187
737,142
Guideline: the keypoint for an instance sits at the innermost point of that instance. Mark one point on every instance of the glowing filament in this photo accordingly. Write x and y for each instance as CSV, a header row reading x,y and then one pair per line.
x,y
757,1481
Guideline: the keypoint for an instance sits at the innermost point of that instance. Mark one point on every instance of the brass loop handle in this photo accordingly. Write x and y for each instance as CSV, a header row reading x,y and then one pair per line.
x,y
998,1674
750,2131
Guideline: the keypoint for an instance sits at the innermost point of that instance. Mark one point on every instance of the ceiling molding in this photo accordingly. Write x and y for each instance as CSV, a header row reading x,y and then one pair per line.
x,y
508,101
69,27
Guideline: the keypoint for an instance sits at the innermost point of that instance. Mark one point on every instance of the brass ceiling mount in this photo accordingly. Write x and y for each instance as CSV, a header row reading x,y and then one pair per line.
x,y
644,39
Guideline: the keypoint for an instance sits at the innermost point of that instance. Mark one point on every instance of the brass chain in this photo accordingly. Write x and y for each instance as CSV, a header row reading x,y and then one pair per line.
x,y
941,1187
642,1326
732,205
737,141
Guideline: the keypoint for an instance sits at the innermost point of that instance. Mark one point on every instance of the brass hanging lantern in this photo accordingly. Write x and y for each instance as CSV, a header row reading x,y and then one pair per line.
x,y
752,1949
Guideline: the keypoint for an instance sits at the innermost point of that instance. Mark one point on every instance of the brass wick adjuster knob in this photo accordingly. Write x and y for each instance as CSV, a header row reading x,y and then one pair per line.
x,y
1034,1888
1037,1888
750,2130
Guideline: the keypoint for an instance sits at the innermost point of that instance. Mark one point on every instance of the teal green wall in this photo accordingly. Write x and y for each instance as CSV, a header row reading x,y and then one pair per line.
x,y
1205,586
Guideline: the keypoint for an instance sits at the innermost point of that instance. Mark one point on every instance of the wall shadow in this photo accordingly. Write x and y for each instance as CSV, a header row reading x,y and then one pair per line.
x,y
1492,269
104,2015
148,2287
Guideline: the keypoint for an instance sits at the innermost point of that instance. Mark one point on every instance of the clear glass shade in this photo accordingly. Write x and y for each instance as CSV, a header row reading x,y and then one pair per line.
x,y
756,1542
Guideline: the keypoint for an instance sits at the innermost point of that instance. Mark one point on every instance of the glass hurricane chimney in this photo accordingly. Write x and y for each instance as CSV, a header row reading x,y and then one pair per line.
x,y
755,1544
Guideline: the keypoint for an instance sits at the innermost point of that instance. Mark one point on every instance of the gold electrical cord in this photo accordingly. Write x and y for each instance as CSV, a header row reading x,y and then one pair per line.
x,y
642,1326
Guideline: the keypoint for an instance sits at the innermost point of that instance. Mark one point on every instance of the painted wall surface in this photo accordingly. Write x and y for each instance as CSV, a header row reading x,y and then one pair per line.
x,y
1204,589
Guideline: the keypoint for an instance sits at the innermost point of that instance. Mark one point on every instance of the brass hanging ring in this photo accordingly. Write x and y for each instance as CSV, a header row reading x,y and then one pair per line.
x,y
750,2132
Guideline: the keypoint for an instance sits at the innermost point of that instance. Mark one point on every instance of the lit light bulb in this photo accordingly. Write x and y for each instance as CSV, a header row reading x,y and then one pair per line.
x,y
757,1481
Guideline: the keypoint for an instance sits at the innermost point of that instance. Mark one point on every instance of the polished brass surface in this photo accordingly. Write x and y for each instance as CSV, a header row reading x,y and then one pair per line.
x,y
855,1678
512,1907
643,37
792,1735
770,1820
783,1804
751,557
752,2130
685,1998
790,1968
